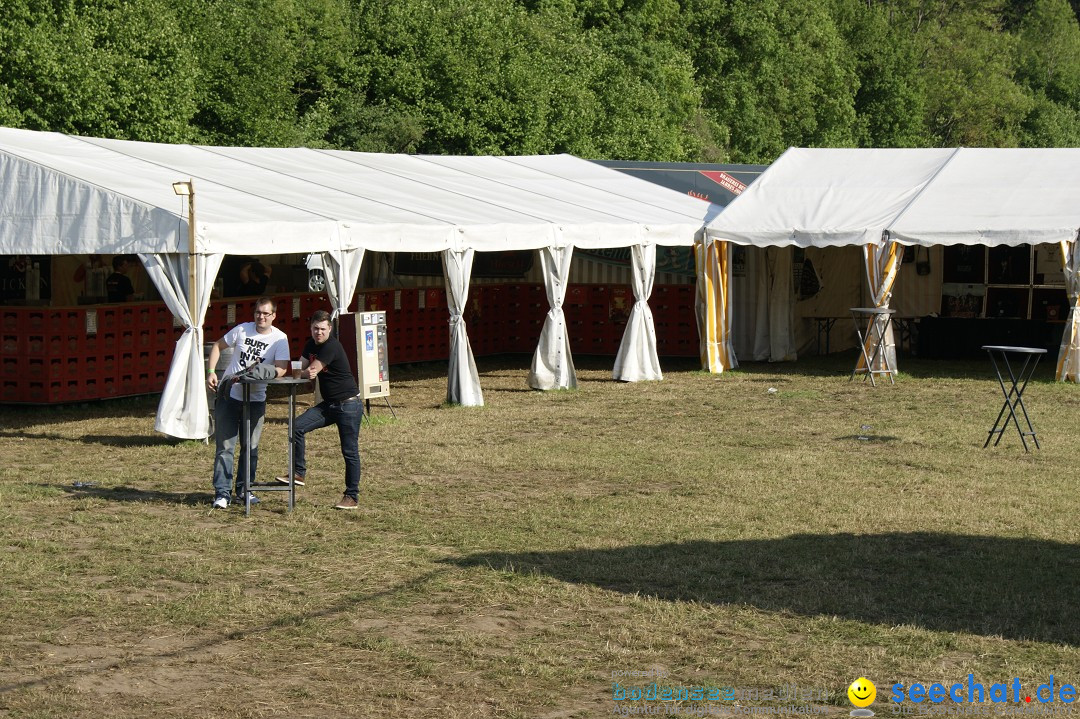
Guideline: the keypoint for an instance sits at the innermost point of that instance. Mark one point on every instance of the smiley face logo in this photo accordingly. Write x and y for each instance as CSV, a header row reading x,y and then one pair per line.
x,y
862,692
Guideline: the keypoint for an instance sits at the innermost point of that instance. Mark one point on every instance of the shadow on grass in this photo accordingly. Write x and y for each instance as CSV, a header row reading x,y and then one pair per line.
x,y
15,416
839,365
109,440
1021,589
868,438
129,494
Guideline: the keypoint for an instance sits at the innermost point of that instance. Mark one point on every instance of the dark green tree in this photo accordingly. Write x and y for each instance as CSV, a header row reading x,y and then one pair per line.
x,y
773,74
113,69
1049,66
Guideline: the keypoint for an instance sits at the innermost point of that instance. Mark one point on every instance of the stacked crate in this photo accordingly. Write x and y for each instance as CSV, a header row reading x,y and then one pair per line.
x,y
52,355
673,314
432,331
49,362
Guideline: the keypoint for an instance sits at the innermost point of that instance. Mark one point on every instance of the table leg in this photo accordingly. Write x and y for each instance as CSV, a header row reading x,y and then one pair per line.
x,y
862,348
1025,375
882,324
246,434
1007,405
292,472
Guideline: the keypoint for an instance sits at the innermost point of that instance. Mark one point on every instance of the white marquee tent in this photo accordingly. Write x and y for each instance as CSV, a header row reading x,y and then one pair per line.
x,y
883,198
62,194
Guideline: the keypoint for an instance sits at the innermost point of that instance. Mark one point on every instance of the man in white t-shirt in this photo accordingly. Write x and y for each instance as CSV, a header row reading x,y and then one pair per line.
x,y
253,343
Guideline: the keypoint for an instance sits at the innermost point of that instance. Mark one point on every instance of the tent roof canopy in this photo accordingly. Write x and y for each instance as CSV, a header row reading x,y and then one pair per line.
x,y
833,197
62,194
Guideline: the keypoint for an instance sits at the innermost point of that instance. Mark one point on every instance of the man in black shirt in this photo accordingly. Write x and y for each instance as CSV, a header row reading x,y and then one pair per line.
x,y
325,361
117,285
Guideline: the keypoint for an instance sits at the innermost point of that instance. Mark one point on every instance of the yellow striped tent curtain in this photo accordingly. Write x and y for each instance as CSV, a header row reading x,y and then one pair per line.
x,y
882,264
713,305
1068,366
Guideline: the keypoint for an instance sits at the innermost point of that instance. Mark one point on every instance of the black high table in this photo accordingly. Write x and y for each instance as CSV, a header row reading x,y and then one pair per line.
x,y
1014,394
245,429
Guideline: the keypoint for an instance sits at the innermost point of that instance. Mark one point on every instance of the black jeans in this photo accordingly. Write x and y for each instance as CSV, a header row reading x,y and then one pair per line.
x,y
347,416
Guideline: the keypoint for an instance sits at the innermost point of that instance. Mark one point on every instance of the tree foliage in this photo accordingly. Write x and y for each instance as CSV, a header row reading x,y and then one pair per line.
x,y
734,80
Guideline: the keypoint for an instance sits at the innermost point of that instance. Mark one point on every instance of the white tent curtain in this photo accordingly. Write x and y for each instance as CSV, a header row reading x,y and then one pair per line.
x,y
345,266
183,411
882,265
552,364
1068,365
774,338
463,382
637,359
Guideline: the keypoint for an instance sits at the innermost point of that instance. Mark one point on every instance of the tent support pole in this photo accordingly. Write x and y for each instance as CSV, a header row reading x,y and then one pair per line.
x,y
193,295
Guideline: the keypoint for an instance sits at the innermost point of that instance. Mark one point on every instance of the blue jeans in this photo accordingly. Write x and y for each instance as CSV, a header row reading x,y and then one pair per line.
x,y
347,416
228,416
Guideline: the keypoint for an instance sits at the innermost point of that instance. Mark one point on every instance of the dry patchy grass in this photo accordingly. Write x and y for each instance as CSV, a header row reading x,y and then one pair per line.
x,y
507,559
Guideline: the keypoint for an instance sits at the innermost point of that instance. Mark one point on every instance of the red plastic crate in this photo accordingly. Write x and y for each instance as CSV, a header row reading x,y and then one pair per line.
x,y
35,321
45,391
10,345
125,384
379,300
91,388
108,342
143,382
144,337
434,298
107,318
108,387
11,321
163,338
108,365
161,317
44,368
216,323
12,390
409,301
311,302
35,345
160,359
74,344
74,390
67,321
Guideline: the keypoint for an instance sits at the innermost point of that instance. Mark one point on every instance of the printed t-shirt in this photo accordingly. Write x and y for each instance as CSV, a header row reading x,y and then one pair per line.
x,y
251,348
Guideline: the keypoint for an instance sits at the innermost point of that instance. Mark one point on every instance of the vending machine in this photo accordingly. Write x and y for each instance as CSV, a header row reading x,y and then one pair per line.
x,y
363,335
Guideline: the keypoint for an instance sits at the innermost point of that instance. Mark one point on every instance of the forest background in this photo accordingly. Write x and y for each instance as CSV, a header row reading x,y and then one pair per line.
x,y
670,80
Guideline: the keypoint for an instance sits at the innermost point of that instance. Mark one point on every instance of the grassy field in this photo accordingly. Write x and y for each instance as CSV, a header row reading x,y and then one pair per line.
x,y
517,560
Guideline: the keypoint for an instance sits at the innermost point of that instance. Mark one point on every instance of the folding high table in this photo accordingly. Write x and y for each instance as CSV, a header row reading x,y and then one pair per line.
x,y
1014,394
245,429
878,320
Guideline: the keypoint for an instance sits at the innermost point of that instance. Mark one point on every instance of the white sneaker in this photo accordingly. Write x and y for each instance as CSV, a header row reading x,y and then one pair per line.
x,y
221,503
